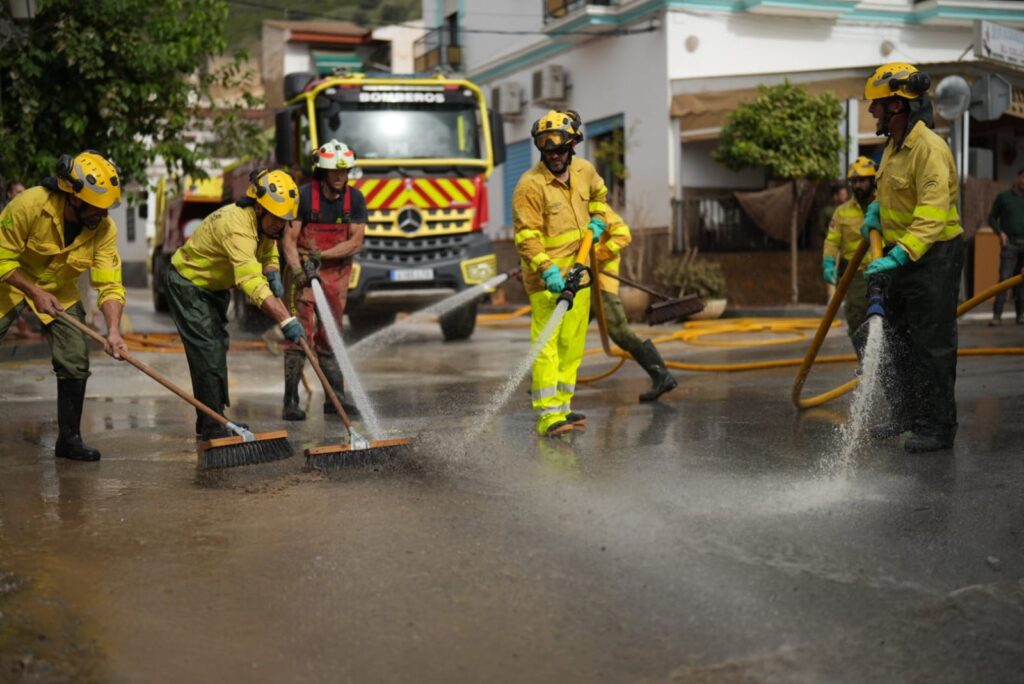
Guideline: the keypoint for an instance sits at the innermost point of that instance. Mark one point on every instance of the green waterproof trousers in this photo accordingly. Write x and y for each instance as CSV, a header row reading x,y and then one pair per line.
x,y
201,317
921,340
618,325
69,351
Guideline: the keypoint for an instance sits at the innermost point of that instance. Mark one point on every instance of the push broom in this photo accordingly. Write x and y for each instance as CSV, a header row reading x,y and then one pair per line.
x,y
359,450
245,448
670,308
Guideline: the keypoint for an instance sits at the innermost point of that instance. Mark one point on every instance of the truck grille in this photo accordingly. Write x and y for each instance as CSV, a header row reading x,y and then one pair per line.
x,y
413,252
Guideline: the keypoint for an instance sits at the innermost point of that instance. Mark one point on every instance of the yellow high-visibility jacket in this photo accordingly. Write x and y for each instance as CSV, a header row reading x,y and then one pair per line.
x,y
917,192
549,217
32,241
843,237
227,251
616,237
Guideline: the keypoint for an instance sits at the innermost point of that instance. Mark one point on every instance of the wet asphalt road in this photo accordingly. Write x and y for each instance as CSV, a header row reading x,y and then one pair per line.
x,y
706,538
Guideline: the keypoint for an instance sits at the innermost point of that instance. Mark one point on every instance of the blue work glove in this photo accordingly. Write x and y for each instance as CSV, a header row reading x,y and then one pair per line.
x,y
292,329
828,268
872,220
597,226
276,284
553,279
896,257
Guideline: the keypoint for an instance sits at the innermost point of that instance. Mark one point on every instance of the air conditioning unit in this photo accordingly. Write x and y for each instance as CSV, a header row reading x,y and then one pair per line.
x,y
507,98
549,84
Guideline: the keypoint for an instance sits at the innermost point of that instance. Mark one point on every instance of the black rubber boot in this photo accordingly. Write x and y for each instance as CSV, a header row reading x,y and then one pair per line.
x,y
293,364
920,444
577,420
661,380
329,365
70,397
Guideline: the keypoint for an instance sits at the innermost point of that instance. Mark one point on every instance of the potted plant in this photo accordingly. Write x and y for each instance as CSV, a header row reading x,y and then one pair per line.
x,y
689,274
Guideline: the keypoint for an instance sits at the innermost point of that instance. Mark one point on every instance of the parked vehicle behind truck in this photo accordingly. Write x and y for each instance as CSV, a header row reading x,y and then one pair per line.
x,y
425,147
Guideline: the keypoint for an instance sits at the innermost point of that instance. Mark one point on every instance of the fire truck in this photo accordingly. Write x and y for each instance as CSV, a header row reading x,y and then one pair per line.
x,y
426,146
177,217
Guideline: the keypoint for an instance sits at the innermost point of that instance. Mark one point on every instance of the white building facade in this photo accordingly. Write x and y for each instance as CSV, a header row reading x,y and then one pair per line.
x,y
665,73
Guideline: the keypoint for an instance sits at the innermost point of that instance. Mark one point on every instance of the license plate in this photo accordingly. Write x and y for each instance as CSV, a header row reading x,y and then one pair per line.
x,y
410,274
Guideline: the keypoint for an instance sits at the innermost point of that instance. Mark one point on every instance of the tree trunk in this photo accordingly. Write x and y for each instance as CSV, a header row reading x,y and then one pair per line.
x,y
793,280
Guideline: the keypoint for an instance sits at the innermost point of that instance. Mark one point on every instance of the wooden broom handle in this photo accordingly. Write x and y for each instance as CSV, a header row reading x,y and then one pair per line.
x,y
328,390
156,375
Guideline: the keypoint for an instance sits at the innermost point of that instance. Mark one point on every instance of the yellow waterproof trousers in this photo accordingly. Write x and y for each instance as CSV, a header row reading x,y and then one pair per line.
x,y
554,371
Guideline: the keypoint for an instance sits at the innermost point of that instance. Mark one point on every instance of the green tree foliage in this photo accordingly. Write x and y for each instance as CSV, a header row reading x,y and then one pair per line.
x,y
785,130
129,78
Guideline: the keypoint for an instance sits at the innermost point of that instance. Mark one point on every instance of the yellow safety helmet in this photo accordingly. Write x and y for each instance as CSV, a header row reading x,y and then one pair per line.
x,y
90,177
556,129
896,79
862,167
276,192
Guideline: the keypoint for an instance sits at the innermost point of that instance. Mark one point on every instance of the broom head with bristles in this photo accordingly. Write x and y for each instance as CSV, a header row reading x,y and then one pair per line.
x,y
334,456
227,452
674,309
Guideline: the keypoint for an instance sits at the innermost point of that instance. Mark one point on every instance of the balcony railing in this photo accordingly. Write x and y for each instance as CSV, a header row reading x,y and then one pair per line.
x,y
438,48
557,9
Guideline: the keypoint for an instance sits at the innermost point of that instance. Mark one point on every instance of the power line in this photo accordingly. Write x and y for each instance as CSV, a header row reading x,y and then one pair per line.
x,y
318,15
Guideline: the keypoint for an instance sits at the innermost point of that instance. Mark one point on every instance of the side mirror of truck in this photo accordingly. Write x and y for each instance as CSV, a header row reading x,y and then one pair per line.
x,y
497,137
284,147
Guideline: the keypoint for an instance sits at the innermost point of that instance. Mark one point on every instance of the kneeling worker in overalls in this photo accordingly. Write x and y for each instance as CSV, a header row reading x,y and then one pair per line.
x,y
329,231
49,235
235,246
607,253
553,203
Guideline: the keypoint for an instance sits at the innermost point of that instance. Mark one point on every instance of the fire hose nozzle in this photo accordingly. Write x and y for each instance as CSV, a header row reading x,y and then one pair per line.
x,y
574,283
311,267
876,295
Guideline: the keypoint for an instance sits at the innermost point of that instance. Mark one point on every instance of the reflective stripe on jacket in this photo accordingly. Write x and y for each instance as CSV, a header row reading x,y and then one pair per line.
x,y
917,192
227,251
843,237
32,241
616,237
549,217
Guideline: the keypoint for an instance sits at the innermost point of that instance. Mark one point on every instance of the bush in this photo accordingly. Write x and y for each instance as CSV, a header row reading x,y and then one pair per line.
x,y
692,275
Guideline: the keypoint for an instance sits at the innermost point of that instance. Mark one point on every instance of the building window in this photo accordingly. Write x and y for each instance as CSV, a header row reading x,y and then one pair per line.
x,y
608,153
439,48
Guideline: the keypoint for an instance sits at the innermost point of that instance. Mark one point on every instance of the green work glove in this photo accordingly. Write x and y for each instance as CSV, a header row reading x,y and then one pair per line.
x,y
828,268
597,226
276,284
292,330
299,278
872,220
896,257
553,279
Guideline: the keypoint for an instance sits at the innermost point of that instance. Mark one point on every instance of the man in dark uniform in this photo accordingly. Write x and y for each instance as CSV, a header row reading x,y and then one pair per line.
x,y
329,233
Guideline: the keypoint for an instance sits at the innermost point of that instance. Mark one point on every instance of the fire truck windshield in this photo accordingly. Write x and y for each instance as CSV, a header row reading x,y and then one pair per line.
x,y
389,131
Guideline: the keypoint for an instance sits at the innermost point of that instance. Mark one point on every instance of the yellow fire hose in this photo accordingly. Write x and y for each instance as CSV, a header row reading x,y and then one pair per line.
x,y
833,306
791,330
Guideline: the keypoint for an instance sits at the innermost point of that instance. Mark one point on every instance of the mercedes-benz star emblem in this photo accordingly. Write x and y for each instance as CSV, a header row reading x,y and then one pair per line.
x,y
410,219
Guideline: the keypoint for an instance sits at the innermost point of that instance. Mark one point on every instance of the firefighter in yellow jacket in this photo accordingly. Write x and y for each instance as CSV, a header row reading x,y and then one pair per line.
x,y
843,239
916,212
606,253
49,235
235,246
553,203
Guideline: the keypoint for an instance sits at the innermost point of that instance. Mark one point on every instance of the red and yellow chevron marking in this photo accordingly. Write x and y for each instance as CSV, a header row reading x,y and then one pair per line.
x,y
424,193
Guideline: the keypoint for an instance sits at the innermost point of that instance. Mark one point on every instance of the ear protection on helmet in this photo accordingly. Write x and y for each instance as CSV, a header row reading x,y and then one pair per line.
x,y
917,82
64,164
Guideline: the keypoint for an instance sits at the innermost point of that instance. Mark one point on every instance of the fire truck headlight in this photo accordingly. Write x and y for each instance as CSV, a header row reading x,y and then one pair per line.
x,y
479,270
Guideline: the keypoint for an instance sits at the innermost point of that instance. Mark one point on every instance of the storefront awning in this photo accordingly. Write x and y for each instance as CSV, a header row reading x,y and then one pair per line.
x,y
702,115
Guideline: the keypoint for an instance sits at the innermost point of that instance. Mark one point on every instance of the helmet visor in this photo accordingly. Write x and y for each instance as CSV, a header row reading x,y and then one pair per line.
x,y
551,141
